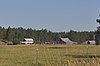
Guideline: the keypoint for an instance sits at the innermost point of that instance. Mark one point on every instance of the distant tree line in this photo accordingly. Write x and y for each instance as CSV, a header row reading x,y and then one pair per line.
x,y
14,35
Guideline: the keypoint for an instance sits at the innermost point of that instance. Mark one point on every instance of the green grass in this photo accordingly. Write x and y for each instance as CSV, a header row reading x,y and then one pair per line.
x,y
49,55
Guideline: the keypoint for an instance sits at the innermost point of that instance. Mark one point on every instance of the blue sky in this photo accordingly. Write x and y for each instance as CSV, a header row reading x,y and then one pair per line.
x,y
53,15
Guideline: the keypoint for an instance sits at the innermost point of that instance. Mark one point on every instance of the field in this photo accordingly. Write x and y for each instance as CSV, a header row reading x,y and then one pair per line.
x,y
49,55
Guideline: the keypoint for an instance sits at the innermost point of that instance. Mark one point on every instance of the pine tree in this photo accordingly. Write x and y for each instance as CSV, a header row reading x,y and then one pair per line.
x,y
97,39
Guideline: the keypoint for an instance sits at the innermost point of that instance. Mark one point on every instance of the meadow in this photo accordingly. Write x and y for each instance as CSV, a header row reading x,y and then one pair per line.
x,y
49,55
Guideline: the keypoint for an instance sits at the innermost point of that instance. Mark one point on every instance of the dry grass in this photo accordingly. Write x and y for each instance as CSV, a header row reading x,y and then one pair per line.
x,y
49,55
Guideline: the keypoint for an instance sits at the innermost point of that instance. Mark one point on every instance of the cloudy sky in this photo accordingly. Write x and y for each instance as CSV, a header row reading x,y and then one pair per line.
x,y
53,15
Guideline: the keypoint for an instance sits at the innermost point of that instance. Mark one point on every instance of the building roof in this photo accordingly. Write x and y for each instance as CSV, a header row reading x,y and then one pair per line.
x,y
67,40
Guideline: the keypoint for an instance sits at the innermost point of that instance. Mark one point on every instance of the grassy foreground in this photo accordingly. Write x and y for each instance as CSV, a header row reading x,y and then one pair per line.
x,y
49,55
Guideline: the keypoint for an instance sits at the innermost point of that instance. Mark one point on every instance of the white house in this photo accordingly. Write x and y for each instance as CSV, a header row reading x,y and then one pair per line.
x,y
27,41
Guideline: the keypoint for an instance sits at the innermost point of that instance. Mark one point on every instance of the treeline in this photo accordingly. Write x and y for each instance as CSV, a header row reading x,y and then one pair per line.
x,y
14,35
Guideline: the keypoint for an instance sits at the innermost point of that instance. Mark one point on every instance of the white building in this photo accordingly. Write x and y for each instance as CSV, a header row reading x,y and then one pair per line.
x,y
68,41
27,41
91,42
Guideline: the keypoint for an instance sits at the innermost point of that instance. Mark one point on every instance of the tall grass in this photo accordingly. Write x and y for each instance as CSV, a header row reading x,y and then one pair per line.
x,y
49,55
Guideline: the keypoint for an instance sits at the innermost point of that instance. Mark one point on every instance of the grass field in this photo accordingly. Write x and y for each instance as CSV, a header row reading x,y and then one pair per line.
x,y
49,55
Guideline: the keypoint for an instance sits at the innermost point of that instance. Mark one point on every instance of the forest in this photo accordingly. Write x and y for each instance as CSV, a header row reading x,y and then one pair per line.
x,y
14,35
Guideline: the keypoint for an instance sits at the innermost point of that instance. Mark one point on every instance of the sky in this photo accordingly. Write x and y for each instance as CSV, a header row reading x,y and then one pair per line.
x,y
53,15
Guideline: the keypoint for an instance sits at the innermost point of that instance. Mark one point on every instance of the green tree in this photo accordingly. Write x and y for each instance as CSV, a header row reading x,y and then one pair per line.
x,y
97,33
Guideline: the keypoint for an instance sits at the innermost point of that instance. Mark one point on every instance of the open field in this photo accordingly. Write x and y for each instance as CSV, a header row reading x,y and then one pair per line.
x,y
49,55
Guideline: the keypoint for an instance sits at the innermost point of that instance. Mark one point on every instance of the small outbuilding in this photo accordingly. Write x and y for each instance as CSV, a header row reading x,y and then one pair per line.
x,y
27,41
91,42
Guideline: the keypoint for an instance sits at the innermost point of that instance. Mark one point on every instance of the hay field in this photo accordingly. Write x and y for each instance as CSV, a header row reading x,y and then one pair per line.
x,y
49,55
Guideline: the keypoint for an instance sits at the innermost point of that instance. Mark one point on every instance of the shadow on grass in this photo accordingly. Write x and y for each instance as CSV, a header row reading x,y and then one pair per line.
x,y
37,64
83,56
62,47
57,47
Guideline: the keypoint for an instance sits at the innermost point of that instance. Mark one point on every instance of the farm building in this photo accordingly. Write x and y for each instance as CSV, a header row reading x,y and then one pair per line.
x,y
27,41
91,42
68,41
